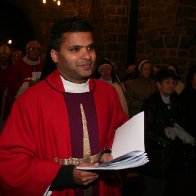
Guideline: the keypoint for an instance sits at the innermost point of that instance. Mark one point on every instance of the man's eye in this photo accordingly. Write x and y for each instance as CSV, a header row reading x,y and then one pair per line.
x,y
76,49
91,47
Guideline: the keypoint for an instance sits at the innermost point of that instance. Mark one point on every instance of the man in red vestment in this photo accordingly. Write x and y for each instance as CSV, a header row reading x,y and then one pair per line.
x,y
67,119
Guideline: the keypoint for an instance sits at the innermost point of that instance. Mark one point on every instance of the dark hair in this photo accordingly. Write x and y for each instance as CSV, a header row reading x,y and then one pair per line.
x,y
49,65
165,74
68,24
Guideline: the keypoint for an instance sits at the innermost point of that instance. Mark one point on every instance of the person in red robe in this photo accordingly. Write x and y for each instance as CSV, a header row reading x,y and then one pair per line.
x,y
28,69
66,119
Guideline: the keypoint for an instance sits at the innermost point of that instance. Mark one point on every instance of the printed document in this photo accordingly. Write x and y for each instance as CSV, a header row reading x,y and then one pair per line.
x,y
128,149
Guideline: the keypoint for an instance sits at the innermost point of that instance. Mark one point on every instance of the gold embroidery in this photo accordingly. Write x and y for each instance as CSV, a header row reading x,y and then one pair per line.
x,y
75,161
87,158
86,143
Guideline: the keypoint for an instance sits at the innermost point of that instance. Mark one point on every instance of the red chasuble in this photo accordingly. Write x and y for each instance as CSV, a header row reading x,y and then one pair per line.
x,y
39,130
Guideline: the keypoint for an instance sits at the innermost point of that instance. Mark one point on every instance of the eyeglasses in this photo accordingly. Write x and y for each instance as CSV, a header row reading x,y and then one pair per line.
x,y
34,49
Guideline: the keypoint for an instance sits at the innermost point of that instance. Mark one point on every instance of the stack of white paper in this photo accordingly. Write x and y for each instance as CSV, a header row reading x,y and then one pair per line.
x,y
128,149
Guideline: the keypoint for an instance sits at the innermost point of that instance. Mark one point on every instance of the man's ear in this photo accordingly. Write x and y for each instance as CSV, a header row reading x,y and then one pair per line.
x,y
54,55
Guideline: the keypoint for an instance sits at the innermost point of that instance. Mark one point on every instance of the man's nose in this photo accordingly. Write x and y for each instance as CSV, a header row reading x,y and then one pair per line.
x,y
86,53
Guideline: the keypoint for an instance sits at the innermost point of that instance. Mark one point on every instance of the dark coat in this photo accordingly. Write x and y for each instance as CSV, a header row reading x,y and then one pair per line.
x,y
163,153
188,101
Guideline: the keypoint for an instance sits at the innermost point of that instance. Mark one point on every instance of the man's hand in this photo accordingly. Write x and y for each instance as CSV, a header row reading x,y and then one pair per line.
x,y
106,157
82,177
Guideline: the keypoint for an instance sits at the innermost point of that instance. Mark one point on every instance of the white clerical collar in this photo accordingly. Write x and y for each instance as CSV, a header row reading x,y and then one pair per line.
x,y
75,88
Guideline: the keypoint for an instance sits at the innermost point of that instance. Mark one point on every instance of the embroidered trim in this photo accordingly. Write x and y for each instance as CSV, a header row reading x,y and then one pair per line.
x,y
75,161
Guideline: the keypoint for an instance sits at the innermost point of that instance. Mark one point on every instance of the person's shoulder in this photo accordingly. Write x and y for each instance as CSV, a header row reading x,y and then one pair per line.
x,y
153,100
21,61
181,84
154,96
134,84
131,82
116,84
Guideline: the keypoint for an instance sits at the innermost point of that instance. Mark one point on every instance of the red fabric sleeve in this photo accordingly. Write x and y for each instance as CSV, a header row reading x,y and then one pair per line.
x,y
21,170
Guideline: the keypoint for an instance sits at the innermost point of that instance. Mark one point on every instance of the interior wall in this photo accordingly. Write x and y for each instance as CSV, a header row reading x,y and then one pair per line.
x,y
165,30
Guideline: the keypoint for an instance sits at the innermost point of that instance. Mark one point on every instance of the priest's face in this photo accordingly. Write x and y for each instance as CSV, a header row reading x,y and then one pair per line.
x,y
76,57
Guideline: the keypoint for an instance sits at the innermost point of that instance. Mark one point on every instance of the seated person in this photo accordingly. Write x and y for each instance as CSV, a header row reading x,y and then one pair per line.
x,y
130,73
139,88
164,136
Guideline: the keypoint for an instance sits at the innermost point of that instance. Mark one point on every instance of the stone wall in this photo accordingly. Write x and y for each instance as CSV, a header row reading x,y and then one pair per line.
x,y
166,33
109,17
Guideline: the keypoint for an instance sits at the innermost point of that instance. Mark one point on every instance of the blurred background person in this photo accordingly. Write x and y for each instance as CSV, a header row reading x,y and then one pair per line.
x,y
155,69
139,88
179,83
16,56
28,70
165,139
188,101
105,71
130,73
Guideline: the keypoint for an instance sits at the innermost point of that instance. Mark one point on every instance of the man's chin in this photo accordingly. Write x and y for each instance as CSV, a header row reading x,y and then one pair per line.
x,y
87,74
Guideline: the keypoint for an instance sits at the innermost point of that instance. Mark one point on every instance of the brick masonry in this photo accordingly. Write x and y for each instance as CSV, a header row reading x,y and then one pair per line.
x,y
165,32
